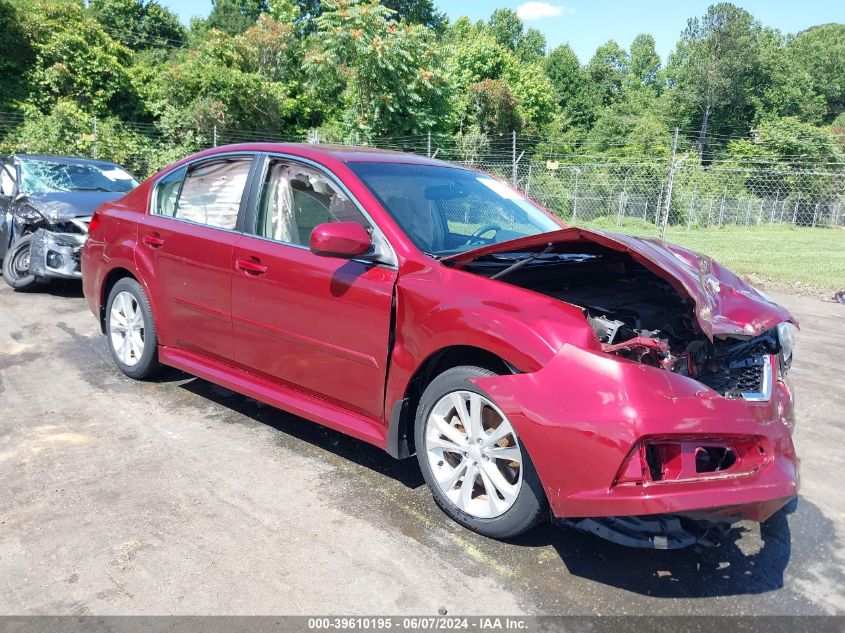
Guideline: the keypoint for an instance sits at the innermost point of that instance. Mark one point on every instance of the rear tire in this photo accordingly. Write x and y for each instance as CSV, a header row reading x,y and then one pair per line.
x,y
130,330
481,476
16,265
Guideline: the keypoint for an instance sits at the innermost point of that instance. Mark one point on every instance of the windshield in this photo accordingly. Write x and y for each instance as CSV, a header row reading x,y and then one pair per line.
x,y
447,210
44,176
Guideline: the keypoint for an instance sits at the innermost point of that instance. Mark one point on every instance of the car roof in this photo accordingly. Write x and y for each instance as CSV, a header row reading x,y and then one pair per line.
x,y
67,160
343,153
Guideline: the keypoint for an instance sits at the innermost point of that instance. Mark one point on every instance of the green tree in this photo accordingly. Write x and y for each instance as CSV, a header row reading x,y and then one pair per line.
x,y
17,58
506,28
715,70
818,55
605,73
235,16
387,77
75,59
644,63
418,12
492,108
138,24
532,46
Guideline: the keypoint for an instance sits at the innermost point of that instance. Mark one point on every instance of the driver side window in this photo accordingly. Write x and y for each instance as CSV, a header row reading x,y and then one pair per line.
x,y
294,199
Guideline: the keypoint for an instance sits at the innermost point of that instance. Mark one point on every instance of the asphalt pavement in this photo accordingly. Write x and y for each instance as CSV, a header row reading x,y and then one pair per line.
x,y
179,497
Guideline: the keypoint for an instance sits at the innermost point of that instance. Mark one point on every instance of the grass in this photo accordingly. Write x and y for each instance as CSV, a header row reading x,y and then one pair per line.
x,y
795,258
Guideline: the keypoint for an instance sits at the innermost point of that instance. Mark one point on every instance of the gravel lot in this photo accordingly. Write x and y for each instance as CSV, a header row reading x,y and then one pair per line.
x,y
179,497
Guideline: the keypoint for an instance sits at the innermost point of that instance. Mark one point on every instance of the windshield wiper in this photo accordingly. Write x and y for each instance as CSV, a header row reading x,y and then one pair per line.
x,y
522,262
92,189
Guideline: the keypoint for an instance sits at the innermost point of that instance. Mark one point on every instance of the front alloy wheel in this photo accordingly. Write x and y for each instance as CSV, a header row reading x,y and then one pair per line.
x,y
474,454
472,459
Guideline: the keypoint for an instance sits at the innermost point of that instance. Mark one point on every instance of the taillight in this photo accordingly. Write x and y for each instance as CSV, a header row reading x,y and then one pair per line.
x,y
94,223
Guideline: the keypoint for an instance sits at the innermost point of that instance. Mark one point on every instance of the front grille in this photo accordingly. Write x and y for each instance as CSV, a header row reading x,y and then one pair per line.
x,y
740,379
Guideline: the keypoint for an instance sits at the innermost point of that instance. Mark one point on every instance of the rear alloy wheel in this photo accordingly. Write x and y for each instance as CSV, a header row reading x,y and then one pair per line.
x,y
472,459
131,333
16,265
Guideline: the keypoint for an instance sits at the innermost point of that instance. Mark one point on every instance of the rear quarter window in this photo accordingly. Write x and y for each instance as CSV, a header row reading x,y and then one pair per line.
x,y
166,192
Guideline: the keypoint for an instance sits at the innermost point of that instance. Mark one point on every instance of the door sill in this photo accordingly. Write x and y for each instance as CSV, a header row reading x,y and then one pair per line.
x,y
306,406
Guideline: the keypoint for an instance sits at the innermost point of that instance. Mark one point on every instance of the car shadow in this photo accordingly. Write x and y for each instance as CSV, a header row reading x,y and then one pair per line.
x,y
317,436
748,560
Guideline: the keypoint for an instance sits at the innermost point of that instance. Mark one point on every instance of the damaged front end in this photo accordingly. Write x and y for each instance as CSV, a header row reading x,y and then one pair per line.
x,y
681,407
55,250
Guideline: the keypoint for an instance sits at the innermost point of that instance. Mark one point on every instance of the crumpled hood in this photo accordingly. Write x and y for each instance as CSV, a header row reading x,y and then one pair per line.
x,y
60,206
724,303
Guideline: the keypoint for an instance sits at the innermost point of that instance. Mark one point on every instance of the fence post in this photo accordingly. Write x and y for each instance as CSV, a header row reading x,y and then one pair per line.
x,y
748,214
691,208
795,214
513,158
214,135
429,144
722,207
94,148
623,200
815,215
659,205
575,196
528,182
669,185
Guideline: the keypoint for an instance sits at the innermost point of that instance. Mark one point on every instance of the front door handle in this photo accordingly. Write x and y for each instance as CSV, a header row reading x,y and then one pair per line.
x,y
252,266
153,240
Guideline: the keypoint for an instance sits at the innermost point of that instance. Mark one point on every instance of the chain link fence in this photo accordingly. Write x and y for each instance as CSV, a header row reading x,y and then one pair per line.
x,y
700,197
645,191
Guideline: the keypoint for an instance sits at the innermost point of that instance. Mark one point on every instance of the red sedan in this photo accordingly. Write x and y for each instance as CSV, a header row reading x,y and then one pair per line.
x,y
632,388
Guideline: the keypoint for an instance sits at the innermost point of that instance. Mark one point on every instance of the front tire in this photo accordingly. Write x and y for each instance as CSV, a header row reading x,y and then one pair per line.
x,y
472,459
130,330
16,265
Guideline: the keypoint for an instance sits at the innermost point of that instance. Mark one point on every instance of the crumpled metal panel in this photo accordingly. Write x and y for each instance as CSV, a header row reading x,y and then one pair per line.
x,y
724,303
66,245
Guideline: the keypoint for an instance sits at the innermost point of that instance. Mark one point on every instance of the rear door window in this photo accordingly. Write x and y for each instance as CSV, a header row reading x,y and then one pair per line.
x,y
210,193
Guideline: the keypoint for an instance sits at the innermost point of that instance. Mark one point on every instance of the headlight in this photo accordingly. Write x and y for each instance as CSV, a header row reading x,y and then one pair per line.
x,y
28,213
787,333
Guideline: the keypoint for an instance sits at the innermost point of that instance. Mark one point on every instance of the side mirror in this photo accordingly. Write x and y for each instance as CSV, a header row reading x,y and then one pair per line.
x,y
346,240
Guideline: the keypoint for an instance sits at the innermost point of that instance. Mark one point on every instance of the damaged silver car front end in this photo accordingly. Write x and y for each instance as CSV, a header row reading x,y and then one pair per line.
x,y
54,252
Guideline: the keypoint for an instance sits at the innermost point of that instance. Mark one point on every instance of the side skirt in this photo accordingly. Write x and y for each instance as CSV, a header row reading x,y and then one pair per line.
x,y
295,402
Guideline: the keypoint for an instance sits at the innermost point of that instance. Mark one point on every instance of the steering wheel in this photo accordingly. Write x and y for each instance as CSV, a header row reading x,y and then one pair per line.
x,y
486,228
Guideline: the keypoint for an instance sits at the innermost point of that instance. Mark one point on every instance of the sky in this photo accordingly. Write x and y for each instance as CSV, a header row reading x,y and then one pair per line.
x,y
586,24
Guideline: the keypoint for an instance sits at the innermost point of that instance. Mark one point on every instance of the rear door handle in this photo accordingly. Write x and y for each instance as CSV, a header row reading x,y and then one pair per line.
x,y
252,266
153,240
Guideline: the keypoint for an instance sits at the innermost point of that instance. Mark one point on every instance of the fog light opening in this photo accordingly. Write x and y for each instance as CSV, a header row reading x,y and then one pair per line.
x,y
713,459
54,259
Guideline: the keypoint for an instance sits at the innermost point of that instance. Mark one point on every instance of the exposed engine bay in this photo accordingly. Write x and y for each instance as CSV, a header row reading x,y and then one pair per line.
x,y
639,316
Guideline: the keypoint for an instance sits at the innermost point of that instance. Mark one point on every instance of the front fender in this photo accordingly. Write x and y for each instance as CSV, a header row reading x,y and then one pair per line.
x,y
440,308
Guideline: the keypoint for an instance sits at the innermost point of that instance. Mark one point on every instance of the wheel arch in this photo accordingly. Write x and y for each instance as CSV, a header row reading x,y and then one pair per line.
x,y
400,430
112,277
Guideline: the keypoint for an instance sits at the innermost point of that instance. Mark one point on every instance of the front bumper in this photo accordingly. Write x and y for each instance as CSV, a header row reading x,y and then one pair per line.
x,y
55,255
582,415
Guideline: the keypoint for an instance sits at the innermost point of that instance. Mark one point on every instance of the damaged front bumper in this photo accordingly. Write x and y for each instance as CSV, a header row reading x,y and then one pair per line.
x,y
55,255
627,451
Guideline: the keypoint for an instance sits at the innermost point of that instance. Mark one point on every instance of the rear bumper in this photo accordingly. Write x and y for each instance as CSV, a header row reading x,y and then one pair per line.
x,y
584,413
55,255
